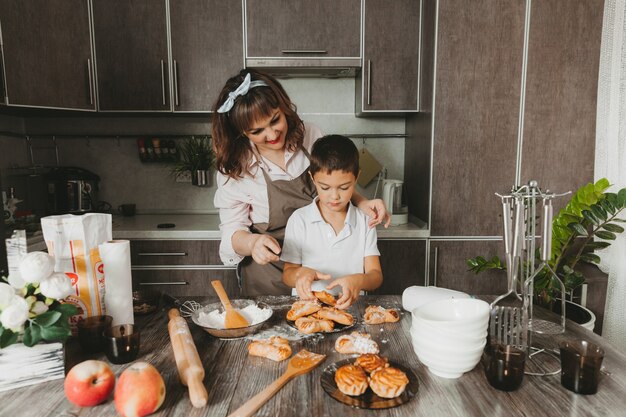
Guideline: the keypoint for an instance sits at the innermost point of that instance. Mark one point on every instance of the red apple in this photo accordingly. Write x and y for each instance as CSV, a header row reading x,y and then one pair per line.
x,y
140,390
89,383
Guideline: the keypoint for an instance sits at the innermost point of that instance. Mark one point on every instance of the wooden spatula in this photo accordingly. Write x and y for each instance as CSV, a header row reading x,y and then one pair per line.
x,y
301,363
233,319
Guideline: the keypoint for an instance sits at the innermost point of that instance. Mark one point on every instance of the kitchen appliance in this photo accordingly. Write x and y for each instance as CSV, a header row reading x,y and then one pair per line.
x,y
71,190
393,196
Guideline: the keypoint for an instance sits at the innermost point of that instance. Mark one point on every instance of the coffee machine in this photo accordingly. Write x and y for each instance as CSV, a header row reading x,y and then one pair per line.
x,y
71,190
394,198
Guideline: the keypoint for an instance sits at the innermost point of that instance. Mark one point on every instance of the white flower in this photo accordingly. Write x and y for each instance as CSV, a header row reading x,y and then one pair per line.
x,y
15,315
16,281
6,295
39,308
58,286
36,266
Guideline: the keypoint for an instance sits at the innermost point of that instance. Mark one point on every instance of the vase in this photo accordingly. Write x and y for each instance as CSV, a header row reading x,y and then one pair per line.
x,y
21,365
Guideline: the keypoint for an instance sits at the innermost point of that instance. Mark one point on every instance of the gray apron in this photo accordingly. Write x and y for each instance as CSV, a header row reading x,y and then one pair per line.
x,y
284,197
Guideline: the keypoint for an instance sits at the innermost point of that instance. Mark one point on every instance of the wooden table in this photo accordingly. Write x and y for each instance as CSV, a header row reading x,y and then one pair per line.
x,y
232,377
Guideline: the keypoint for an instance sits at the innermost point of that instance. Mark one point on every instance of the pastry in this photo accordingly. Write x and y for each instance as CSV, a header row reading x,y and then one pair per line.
x,y
388,382
310,325
351,380
303,308
379,315
356,342
325,297
371,362
275,348
338,316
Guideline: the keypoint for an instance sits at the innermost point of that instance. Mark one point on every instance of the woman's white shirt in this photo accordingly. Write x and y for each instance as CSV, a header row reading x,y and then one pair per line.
x,y
244,202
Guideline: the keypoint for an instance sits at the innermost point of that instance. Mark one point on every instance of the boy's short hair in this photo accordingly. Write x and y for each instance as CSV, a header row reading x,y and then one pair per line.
x,y
334,153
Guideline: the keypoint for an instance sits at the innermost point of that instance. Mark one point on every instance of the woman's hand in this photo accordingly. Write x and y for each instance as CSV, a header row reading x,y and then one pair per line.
x,y
265,249
376,210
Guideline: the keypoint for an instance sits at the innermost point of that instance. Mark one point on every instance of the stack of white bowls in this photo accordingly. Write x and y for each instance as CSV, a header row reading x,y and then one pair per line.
x,y
449,335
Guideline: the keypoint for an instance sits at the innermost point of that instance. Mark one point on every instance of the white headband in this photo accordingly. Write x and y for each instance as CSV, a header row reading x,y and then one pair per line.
x,y
242,90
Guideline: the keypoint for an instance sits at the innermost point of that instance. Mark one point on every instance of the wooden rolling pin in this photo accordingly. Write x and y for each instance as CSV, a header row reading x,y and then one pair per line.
x,y
190,369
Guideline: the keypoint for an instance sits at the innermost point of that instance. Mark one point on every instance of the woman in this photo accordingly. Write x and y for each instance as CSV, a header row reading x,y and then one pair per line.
x,y
262,156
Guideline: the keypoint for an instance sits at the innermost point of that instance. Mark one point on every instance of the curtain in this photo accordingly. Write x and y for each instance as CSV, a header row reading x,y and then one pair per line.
x,y
610,160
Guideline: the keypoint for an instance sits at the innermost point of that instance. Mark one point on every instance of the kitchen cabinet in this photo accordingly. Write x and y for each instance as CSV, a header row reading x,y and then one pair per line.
x,y
302,29
47,54
403,264
389,80
448,267
207,49
130,38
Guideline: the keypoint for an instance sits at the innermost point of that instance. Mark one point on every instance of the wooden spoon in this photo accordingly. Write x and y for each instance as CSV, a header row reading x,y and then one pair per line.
x,y
302,362
233,319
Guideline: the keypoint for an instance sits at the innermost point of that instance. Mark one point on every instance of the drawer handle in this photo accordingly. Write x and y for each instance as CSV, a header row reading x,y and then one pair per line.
x,y
162,254
164,283
304,51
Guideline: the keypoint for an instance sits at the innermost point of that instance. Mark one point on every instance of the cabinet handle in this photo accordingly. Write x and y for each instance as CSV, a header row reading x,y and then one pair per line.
x,y
163,80
369,82
176,81
162,254
90,76
304,51
164,283
436,262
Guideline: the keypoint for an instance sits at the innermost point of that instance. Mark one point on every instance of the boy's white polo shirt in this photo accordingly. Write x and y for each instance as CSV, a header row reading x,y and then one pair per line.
x,y
311,242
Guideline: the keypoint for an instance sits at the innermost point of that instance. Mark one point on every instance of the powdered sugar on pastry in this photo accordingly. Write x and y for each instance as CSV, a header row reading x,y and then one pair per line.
x,y
275,348
356,342
379,315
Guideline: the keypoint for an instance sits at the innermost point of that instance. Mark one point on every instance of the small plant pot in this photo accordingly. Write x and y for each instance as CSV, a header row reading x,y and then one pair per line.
x,y
201,178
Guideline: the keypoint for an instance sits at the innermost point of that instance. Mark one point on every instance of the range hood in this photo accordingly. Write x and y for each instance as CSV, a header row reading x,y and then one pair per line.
x,y
307,67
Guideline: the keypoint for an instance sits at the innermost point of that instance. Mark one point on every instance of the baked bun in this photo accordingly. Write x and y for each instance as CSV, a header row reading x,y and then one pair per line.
x,y
325,297
388,382
275,348
310,325
371,362
379,315
338,316
351,380
356,342
303,308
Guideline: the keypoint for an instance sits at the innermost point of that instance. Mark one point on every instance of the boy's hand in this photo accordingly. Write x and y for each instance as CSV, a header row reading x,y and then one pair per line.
x,y
350,288
306,276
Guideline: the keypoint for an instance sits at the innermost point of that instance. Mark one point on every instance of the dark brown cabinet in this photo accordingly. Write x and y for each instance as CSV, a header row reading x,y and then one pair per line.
x,y
130,38
187,282
47,56
388,81
207,49
403,264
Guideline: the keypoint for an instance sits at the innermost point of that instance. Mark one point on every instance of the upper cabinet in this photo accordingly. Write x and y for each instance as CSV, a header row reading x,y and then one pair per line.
x,y
389,81
130,38
302,30
47,54
207,49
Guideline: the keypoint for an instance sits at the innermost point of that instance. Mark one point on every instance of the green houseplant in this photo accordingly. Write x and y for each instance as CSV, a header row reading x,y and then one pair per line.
x,y
196,158
591,213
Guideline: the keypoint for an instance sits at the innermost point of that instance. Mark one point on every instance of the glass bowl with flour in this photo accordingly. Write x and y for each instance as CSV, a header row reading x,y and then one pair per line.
x,y
211,318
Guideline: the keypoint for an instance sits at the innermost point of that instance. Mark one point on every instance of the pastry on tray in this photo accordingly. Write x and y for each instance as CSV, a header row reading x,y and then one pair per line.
x,y
310,325
388,382
336,315
275,348
379,315
325,297
356,342
303,308
370,362
351,380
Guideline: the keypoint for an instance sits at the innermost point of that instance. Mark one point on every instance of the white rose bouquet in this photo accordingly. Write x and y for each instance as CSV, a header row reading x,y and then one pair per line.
x,y
30,303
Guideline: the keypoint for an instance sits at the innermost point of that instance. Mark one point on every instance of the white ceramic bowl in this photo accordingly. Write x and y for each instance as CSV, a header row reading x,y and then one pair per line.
x,y
416,296
454,314
455,337
446,345
447,367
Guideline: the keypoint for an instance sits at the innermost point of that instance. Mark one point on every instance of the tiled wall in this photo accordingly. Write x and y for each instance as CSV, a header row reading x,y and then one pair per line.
x,y
329,103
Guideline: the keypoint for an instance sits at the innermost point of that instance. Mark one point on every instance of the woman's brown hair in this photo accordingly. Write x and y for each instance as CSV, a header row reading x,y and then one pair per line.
x,y
232,148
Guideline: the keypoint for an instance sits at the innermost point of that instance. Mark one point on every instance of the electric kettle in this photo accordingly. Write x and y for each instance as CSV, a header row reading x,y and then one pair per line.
x,y
393,196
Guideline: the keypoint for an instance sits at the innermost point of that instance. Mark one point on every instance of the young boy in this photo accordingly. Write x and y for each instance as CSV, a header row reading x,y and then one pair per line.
x,y
328,244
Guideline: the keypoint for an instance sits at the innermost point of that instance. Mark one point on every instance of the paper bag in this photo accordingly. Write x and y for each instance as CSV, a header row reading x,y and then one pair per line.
x,y
73,241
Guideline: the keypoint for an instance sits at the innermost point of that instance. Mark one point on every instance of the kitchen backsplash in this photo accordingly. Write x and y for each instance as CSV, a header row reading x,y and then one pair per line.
x,y
329,103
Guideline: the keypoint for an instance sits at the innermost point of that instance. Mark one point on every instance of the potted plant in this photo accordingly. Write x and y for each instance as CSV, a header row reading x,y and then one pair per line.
x,y
591,213
196,158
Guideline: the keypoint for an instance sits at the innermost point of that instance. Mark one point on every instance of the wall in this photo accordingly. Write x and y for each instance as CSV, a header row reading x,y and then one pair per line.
x,y
329,103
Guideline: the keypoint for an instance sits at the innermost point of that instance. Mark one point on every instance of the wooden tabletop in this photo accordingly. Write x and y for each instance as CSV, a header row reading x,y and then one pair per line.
x,y
232,377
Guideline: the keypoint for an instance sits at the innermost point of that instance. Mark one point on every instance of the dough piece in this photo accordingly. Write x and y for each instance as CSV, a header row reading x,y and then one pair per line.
x,y
356,342
338,316
275,348
351,380
303,308
388,382
379,315
325,297
371,362
310,325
